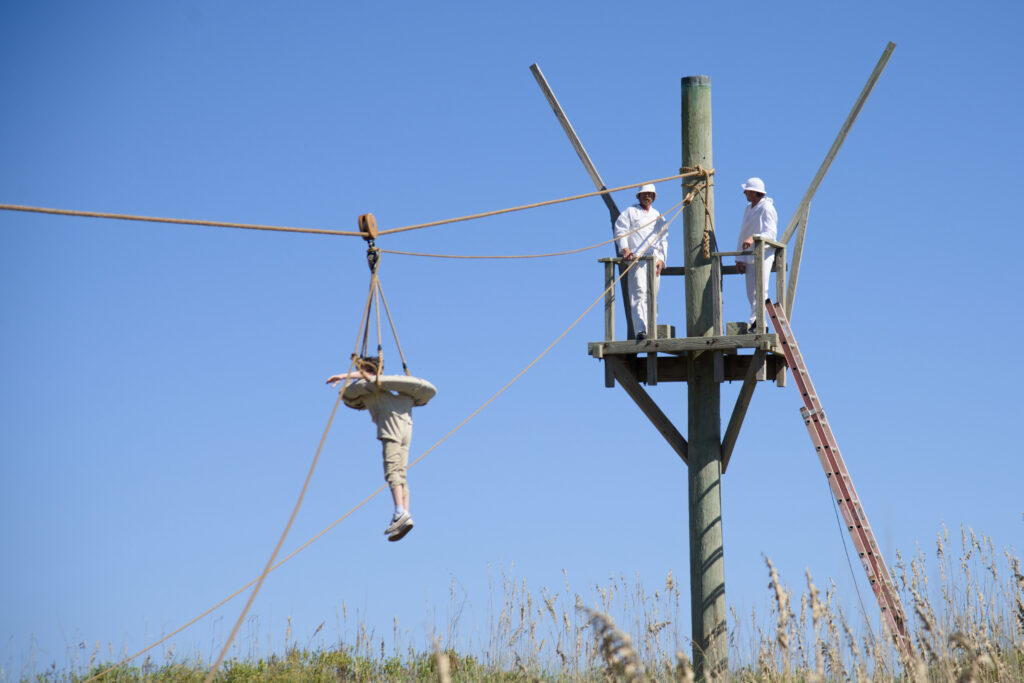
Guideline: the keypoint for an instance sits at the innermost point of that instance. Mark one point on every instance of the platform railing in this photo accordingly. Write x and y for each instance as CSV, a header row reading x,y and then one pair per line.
x,y
779,266
761,244
609,295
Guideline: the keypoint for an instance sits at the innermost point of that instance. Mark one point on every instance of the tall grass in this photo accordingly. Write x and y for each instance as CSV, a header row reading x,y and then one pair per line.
x,y
965,618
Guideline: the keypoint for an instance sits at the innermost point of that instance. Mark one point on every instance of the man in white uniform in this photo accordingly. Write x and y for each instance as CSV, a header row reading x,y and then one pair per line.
x,y
758,219
390,404
639,231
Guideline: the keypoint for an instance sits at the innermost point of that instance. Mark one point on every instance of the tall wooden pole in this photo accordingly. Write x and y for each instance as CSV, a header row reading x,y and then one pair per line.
x,y
707,567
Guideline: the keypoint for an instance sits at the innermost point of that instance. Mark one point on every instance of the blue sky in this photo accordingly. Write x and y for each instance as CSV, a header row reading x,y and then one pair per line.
x,y
163,385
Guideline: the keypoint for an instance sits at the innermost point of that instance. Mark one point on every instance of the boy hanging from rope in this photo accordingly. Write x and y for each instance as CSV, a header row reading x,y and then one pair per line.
x,y
390,400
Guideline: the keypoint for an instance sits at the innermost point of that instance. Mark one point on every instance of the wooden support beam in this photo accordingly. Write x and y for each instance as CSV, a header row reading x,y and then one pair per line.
x,y
840,138
780,292
574,140
794,272
674,368
622,372
739,411
613,210
609,301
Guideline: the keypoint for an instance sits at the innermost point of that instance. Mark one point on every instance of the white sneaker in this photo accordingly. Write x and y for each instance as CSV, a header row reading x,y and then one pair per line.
x,y
397,521
402,530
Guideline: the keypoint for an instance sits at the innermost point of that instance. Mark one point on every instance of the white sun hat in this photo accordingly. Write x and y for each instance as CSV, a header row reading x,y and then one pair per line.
x,y
755,184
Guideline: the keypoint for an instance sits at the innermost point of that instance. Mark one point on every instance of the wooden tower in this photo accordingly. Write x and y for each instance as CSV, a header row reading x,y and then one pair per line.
x,y
710,352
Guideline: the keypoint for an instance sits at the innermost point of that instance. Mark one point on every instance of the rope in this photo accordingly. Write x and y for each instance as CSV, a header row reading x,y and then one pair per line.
x,y
277,548
405,366
849,563
298,503
695,191
522,256
375,283
315,231
364,325
533,206
377,492
176,221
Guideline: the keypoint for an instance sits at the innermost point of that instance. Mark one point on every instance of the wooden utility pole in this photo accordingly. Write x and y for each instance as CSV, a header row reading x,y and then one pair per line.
x,y
707,565
710,353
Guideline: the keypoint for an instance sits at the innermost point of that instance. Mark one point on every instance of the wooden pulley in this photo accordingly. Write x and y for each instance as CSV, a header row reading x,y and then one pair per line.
x,y
368,226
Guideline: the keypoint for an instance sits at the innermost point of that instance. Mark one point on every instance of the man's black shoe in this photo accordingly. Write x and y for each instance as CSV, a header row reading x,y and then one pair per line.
x,y
640,336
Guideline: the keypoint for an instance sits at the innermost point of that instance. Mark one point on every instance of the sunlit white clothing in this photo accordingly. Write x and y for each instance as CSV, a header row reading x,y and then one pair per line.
x,y
759,219
649,239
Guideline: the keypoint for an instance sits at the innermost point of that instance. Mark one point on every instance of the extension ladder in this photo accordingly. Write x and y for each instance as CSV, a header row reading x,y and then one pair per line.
x,y
840,482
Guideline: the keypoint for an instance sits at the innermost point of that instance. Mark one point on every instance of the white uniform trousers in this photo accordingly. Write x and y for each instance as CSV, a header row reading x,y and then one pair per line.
x,y
752,285
638,295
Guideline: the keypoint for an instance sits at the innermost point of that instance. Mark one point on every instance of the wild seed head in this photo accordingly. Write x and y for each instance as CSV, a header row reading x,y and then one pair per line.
x,y
615,646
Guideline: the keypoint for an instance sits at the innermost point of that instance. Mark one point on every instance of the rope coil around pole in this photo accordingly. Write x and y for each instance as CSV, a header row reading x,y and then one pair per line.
x,y
695,190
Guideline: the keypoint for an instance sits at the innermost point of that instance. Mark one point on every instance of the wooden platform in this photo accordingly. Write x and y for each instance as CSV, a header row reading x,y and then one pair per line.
x,y
683,345
647,365
631,364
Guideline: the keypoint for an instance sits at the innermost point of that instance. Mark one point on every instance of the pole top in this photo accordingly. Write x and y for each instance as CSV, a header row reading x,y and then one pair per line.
x,y
696,80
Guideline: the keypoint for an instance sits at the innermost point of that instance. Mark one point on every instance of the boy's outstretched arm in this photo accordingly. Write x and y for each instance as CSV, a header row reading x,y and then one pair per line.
x,y
334,379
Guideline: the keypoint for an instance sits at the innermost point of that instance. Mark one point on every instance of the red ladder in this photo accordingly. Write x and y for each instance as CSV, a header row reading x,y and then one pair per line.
x,y
840,482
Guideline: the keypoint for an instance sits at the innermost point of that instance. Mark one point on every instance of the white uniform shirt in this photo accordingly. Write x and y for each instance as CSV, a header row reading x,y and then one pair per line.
x,y
650,223
759,219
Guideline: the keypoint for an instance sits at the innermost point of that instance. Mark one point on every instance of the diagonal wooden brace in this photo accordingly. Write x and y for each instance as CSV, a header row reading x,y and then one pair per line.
x,y
739,411
624,375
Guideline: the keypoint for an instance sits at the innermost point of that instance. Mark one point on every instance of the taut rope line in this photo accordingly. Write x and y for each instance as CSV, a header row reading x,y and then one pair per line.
x,y
686,174
413,463
519,256
316,231
175,221
394,331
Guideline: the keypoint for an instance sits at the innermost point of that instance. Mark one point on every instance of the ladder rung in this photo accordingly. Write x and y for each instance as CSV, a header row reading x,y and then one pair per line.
x,y
832,462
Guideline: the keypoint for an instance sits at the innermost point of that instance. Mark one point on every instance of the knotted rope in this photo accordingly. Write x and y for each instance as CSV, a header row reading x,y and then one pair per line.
x,y
695,189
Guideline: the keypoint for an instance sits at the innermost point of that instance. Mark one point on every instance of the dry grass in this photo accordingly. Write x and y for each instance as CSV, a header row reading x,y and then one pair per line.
x,y
965,615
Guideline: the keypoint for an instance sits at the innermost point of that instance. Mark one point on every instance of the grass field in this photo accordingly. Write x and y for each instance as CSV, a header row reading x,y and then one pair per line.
x,y
966,622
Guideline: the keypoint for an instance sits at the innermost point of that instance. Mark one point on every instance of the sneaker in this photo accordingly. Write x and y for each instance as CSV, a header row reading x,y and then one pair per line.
x,y
402,531
752,328
397,521
640,336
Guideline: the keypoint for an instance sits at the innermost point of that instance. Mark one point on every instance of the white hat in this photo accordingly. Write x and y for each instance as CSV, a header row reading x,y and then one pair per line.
x,y
646,188
755,184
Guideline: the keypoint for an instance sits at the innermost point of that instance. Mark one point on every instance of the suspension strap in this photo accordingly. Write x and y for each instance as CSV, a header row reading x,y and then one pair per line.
x,y
405,366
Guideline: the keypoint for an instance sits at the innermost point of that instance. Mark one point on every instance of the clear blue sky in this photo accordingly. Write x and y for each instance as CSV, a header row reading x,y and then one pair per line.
x,y
163,386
